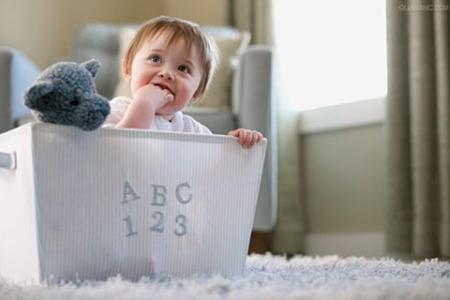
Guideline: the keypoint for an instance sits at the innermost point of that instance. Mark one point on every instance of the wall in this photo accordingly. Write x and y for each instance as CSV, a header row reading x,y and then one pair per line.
x,y
44,29
204,12
344,191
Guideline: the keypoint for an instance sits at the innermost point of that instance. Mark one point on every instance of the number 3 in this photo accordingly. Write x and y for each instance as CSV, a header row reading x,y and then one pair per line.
x,y
182,229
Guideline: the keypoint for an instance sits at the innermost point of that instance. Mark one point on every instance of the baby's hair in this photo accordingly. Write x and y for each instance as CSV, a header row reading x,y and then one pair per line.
x,y
177,29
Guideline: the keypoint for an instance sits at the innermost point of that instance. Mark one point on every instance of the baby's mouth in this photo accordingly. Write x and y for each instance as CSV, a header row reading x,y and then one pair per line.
x,y
164,87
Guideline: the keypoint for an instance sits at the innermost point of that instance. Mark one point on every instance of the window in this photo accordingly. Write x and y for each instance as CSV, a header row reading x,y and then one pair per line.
x,y
330,52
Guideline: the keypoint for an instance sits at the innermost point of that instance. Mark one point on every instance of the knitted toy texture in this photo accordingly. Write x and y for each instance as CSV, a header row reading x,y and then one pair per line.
x,y
65,93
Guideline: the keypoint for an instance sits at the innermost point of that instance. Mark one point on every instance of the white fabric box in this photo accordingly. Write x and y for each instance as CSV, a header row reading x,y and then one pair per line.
x,y
89,205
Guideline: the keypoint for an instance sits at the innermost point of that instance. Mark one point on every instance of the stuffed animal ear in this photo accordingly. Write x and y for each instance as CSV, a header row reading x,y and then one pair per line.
x,y
36,92
92,66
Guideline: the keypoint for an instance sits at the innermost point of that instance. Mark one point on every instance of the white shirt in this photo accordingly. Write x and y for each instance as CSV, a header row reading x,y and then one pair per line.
x,y
180,121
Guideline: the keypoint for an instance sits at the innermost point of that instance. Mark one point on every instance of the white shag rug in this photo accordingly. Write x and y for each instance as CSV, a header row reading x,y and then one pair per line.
x,y
269,277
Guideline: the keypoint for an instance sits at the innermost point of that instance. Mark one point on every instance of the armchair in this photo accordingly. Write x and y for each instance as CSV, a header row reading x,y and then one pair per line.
x,y
252,102
17,72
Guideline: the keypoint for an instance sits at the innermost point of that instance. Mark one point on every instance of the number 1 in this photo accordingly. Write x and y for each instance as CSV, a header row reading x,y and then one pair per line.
x,y
130,230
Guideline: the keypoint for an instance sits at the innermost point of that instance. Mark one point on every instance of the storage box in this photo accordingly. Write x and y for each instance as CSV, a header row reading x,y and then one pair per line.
x,y
90,205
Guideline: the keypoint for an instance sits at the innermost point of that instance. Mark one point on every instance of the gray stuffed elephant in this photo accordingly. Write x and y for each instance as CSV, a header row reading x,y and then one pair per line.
x,y
65,94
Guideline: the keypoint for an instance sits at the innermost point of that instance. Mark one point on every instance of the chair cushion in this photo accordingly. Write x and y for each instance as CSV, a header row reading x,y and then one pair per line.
x,y
219,122
100,41
219,93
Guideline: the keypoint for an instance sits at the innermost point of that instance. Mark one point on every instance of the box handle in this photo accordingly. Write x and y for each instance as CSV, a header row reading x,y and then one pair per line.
x,y
8,160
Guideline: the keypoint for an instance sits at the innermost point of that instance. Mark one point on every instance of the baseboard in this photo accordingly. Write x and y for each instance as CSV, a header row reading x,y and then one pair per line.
x,y
368,244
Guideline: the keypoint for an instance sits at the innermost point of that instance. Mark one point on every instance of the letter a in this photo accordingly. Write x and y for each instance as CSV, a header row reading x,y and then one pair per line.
x,y
129,193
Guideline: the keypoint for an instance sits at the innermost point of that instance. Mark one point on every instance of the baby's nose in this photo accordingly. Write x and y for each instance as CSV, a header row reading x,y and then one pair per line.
x,y
165,74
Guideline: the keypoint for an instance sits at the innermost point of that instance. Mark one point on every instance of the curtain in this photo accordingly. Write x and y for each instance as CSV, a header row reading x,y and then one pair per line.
x,y
256,16
418,128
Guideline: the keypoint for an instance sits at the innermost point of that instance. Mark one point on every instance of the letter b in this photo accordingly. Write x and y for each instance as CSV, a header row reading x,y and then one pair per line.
x,y
159,195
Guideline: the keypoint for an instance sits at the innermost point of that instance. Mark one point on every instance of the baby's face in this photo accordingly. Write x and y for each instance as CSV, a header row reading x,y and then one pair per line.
x,y
173,67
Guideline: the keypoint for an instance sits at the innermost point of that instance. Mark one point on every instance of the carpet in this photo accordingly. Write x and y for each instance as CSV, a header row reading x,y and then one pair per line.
x,y
269,277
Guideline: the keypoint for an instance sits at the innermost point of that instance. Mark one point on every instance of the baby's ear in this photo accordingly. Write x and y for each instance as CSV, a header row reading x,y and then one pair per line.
x,y
126,72
92,66
126,75
197,95
36,92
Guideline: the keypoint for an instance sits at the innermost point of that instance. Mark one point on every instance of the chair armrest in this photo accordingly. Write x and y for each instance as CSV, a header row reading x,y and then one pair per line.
x,y
253,90
253,93
17,73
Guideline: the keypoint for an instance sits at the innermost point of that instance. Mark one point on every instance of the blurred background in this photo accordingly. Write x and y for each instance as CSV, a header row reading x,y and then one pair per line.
x,y
331,84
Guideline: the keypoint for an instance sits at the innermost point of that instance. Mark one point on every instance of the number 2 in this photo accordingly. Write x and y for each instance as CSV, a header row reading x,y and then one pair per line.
x,y
159,226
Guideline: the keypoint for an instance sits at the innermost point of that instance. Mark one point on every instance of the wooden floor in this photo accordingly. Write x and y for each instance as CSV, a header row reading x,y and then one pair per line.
x,y
260,242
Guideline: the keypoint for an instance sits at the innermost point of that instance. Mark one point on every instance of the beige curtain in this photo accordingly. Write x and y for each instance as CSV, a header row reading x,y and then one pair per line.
x,y
418,128
256,16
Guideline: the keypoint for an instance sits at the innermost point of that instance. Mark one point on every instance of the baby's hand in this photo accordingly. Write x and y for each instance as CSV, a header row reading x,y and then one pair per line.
x,y
247,138
157,96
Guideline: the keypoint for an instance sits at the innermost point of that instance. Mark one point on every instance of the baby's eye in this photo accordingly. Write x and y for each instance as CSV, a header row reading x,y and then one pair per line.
x,y
183,68
154,58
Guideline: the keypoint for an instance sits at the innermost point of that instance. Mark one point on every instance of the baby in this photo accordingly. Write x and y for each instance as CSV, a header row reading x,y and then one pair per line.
x,y
169,64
